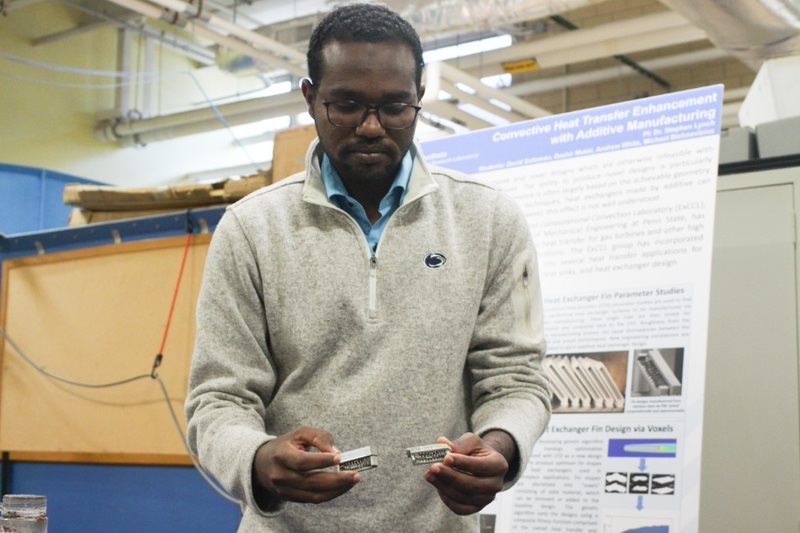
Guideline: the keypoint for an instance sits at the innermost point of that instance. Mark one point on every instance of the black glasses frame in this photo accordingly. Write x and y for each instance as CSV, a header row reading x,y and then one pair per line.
x,y
367,109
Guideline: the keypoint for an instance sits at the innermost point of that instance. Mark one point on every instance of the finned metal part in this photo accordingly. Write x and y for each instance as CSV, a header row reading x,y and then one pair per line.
x,y
357,460
431,453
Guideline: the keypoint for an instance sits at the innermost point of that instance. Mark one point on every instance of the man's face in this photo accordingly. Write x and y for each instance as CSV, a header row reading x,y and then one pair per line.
x,y
368,73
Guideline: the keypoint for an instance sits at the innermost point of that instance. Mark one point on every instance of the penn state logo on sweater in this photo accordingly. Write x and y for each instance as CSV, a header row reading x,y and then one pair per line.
x,y
434,260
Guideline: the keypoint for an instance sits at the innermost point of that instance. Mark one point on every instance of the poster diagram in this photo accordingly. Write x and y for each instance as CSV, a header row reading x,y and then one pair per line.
x,y
657,372
588,382
620,202
621,524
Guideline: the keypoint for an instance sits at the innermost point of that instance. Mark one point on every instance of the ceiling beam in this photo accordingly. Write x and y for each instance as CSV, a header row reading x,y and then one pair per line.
x,y
544,85
519,105
624,44
627,36
465,97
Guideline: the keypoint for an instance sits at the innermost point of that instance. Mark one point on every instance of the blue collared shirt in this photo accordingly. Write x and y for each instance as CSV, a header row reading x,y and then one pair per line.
x,y
338,195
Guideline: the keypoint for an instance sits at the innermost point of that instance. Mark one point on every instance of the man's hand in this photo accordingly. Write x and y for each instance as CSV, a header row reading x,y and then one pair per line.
x,y
469,478
286,468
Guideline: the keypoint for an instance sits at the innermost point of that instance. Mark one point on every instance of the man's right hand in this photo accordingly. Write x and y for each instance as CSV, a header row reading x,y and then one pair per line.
x,y
286,468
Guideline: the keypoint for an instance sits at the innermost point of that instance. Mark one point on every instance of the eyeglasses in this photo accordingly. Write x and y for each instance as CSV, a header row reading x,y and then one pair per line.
x,y
350,114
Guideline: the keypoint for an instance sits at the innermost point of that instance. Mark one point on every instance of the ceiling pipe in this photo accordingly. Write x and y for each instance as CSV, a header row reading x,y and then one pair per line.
x,y
204,126
195,13
161,13
440,16
143,132
752,30
139,132
163,128
235,13
187,48
123,131
271,13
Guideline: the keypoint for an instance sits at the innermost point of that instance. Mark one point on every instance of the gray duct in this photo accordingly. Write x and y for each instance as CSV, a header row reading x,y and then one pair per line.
x,y
752,30
432,17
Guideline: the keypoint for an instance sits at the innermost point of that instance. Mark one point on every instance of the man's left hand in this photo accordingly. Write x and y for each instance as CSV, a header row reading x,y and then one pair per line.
x,y
469,478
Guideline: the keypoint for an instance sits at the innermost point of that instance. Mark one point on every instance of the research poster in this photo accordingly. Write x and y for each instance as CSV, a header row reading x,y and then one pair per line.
x,y
620,201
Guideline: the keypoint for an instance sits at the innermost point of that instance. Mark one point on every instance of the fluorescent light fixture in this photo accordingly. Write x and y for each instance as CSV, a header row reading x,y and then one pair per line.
x,y
465,88
483,114
502,105
444,95
468,49
500,81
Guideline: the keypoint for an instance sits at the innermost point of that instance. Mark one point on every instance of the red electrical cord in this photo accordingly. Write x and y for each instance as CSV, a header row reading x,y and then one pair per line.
x,y
160,355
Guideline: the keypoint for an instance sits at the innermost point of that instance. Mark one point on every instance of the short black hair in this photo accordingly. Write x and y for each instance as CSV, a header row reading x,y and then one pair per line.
x,y
362,23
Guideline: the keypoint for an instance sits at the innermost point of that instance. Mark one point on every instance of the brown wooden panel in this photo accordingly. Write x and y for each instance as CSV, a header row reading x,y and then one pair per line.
x,y
101,458
289,154
97,315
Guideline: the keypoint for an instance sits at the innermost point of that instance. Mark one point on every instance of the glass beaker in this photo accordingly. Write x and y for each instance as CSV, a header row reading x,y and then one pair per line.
x,y
23,513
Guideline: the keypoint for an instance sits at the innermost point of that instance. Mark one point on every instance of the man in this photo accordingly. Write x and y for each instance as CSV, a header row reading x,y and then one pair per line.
x,y
369,301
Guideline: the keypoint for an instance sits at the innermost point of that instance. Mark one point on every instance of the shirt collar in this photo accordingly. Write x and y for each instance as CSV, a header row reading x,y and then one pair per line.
x,y
336,191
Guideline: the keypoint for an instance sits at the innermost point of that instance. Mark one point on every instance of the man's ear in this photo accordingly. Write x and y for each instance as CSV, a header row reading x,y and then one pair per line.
x,y
420,93
309,93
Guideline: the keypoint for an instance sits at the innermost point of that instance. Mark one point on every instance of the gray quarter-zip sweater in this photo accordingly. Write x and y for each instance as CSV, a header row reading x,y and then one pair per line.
x,y
297,325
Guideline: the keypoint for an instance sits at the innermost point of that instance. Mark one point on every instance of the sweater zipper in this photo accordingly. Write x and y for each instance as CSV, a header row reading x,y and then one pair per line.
x,y
373,287
372,304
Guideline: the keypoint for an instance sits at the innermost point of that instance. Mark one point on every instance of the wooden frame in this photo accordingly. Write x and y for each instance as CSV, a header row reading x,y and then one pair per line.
x,y
97,315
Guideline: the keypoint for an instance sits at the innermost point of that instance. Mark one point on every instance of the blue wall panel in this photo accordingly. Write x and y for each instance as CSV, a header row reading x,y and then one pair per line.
x,y
31,199
20,199
135,499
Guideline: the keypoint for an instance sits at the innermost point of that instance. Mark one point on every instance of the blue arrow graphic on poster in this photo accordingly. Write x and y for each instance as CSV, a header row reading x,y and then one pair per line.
x,y
642,465
639,504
